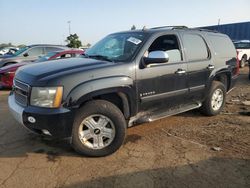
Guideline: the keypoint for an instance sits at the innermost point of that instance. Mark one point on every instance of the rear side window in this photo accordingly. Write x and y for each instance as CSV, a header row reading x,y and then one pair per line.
x,y
195,47
52,49
36,51
222,46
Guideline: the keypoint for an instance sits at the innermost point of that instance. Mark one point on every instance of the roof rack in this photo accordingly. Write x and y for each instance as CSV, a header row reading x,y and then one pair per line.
x,y
171,27
207,30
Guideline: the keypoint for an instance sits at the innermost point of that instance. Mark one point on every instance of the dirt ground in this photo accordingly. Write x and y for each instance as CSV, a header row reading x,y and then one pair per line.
x,y
186,150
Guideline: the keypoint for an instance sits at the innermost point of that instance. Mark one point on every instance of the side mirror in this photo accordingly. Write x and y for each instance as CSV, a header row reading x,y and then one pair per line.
x,y
26,54
156,57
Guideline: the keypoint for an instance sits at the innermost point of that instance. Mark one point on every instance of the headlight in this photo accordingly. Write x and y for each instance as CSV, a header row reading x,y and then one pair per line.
x,y
49,97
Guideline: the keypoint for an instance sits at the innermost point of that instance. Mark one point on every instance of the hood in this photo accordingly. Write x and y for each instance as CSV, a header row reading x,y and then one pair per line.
x,y
45,71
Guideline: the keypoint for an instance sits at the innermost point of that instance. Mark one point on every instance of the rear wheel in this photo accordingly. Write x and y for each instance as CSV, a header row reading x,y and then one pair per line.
x,y
99,129
215,100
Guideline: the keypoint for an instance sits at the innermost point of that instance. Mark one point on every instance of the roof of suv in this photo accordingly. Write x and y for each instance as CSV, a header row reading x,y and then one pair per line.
x,y
49,45
167,28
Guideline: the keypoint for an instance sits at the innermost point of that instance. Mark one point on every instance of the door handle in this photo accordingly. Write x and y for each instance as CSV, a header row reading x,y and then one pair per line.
x,y
210,67
180,71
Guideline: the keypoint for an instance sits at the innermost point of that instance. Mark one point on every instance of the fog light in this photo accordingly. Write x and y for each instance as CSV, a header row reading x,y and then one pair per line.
x,y
31,119
46,132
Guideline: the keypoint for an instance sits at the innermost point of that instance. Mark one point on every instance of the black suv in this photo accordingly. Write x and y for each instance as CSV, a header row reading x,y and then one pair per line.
x,y
125,79
29,53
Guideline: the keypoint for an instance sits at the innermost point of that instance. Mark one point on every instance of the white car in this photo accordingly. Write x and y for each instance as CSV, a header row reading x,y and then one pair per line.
x,y
6,50
243,51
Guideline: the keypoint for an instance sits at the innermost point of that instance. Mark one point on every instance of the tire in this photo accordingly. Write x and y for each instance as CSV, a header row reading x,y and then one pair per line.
x,y
243,61
213,106
88,132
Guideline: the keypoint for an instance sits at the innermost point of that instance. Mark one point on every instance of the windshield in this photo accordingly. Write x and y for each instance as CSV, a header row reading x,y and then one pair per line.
x,y
21,50
46,57
242,45
116,47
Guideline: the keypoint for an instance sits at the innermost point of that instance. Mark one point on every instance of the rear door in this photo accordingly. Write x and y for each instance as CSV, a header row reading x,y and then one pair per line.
x,y
199,64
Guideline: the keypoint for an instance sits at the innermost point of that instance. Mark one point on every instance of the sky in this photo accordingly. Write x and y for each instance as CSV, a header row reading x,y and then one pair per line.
x,y
46,21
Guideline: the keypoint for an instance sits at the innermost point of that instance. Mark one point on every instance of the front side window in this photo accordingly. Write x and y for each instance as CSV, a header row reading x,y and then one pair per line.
x,y
168,44
195,47
36,51
117,47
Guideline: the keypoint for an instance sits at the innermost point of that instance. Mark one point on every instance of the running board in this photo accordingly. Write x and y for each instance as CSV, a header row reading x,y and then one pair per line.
x,y
159,115
173,112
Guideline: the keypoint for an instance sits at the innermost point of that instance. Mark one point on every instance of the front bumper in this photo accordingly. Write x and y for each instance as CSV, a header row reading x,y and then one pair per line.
x,y
58,122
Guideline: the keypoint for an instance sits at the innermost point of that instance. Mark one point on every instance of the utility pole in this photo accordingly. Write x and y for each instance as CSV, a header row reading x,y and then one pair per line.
x,y
218,25
69,22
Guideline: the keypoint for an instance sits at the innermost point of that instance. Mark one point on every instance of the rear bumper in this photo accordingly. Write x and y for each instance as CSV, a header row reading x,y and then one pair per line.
x,y
57,122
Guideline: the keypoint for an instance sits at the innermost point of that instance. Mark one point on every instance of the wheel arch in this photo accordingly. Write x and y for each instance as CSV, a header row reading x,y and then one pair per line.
x,y
118,91
224,76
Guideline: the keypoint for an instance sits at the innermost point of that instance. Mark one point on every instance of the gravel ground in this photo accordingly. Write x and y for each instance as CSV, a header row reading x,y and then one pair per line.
x,y
186,150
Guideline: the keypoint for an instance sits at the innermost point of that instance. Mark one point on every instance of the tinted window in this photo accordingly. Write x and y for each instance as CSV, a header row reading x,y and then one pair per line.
x,y
195,47
36,51
222,46
169,44
52,49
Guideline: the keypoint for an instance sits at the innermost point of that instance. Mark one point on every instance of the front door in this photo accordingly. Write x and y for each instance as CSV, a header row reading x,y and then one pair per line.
x,y
164,85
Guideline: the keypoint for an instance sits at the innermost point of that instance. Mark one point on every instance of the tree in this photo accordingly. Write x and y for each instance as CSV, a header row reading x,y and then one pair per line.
x,y
73,41
133,27
21,46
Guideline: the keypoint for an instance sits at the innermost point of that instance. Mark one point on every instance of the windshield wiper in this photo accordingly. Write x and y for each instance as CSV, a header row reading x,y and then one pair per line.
x,y
105,58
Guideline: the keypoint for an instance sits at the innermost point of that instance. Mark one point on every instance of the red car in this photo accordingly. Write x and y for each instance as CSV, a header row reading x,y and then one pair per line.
x,y
7,73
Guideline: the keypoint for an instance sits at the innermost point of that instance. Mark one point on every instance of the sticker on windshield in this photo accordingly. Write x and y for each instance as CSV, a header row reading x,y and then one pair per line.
x,y
134,40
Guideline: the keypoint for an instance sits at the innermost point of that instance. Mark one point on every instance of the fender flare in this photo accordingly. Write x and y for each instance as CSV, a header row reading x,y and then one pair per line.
x,y
219,72
122,85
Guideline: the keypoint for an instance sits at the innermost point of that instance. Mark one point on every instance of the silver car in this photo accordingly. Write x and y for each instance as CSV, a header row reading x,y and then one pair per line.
x,y
29,53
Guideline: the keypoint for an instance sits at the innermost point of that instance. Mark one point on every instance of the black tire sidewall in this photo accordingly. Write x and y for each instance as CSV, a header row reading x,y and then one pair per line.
x,y
113,113
207,106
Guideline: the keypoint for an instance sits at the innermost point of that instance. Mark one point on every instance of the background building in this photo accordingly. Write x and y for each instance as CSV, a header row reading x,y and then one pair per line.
x,y
236,31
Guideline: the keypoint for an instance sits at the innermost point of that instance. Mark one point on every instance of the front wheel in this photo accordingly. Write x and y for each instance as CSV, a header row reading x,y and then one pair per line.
x,y
99,129
215,100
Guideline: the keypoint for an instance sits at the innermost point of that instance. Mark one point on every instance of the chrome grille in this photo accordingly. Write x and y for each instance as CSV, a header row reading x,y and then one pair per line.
x,y
21,91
